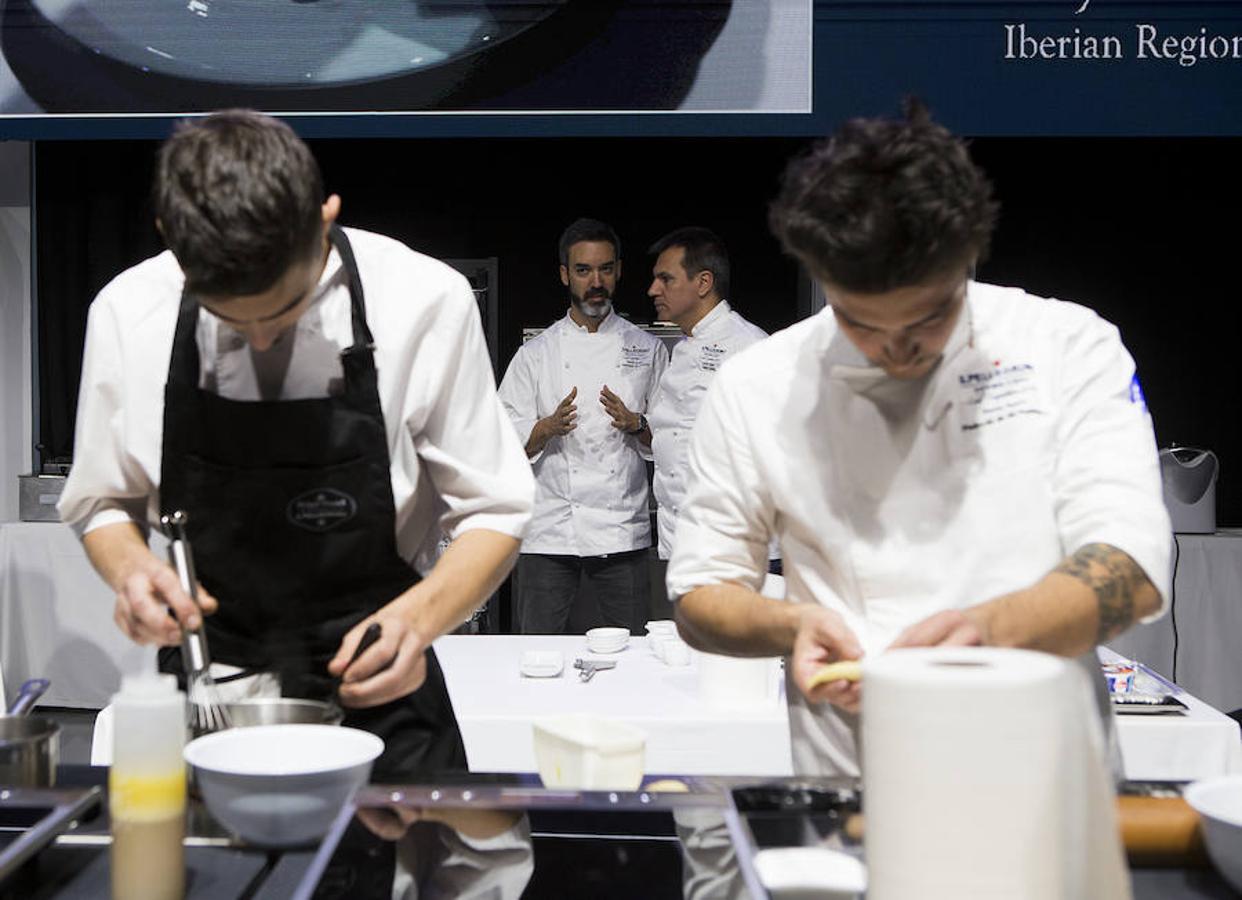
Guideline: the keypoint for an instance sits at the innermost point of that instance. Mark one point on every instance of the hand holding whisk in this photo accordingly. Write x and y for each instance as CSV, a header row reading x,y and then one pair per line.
x,y
206,713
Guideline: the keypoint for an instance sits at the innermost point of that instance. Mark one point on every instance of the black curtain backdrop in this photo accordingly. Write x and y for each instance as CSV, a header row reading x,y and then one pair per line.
x,y
1129,227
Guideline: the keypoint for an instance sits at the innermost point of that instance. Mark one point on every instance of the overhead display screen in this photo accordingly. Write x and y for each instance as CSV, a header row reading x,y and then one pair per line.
x,y
397,58
479,68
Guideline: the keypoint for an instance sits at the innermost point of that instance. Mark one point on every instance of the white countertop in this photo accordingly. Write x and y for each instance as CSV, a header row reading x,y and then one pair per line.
x,y
496,705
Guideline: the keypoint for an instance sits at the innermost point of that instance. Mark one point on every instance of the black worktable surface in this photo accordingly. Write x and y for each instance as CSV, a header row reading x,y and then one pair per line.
x,y
560,845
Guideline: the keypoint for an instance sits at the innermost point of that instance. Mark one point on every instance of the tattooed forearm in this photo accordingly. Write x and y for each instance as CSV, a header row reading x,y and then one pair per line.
x,y
1116,580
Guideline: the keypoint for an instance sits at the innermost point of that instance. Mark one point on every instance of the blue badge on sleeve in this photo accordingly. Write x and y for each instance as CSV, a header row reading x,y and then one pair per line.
x,y
1136,393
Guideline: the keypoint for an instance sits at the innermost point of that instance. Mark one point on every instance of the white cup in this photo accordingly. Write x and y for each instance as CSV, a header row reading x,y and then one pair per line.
x,y
676,652
660,644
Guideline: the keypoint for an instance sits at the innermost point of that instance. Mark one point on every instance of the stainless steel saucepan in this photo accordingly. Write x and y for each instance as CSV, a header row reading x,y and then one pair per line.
x,y
29,745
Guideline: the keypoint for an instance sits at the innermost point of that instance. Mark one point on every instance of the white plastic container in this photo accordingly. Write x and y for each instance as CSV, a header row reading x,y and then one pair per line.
x,y
146,789
589,753
729,682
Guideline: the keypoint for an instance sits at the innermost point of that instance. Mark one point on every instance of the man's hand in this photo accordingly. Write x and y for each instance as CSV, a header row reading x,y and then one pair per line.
x,y
948,628
146,587
144,597
563,420
393,667
622,418
468,572
823,638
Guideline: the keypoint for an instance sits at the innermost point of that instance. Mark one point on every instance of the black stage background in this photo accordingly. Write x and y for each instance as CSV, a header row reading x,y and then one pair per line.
x,y
1128,226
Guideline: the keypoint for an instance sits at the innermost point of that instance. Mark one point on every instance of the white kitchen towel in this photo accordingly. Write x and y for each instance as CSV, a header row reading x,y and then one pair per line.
x,y
985,776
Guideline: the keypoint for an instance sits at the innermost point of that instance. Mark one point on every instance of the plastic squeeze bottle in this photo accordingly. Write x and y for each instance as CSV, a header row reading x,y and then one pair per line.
x,y
146,789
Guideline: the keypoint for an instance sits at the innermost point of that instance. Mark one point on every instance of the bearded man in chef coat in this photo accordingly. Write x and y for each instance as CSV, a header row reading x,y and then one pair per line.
x,y
943,461
578,394
319,401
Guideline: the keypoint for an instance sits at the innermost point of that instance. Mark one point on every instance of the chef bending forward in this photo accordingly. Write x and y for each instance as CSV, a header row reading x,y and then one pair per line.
x,y
320,402
943,461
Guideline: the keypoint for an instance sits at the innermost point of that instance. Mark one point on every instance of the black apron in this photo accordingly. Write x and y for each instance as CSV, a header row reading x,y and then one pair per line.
x,y
291,518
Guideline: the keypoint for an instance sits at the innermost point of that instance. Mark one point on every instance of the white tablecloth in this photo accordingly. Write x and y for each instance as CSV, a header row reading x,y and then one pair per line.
x,y
56,619
495,707
1198,744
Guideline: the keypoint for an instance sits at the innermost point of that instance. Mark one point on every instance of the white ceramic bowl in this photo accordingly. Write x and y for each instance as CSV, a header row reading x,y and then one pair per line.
x,y
281,785
589,753
1218,801
607,640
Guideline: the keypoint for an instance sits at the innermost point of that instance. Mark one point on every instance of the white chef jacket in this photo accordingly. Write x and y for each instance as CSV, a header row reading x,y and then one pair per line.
x,y
893,500
591,494
455,463
695,360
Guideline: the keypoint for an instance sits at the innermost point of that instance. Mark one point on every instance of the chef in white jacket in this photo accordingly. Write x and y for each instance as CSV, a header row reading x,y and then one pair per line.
x,y
578,396
943,461
689,284
318,401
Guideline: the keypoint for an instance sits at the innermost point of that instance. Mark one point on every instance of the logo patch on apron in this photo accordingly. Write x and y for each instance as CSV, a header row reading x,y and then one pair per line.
x,y
321,509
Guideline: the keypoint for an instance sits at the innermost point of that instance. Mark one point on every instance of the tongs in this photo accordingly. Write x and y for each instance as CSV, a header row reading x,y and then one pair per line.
x,y
206,712
588,667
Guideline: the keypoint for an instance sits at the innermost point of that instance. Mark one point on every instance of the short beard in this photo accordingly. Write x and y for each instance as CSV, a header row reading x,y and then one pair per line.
x,y
584,306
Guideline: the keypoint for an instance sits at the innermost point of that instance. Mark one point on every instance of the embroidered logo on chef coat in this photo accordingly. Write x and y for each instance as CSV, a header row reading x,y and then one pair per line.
x,y
636,357
321,509
711,357
1005,391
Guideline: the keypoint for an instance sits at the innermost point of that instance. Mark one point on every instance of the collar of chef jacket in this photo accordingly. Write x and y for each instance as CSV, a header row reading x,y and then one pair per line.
x,y
845,363
305,362
717,315
610,324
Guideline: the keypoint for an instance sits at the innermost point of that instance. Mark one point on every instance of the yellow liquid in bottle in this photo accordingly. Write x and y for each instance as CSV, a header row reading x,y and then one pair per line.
x,y
148,827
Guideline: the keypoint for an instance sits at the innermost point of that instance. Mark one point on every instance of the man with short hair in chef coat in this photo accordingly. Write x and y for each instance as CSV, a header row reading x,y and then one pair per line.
x,y
578,394
689,287
320,401
943,461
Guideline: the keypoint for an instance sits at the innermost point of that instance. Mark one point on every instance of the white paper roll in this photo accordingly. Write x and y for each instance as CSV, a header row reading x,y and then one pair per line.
x,y
984,776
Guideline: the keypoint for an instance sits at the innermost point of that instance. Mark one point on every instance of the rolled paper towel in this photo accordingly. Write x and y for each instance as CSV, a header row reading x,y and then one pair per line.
x,y
985,776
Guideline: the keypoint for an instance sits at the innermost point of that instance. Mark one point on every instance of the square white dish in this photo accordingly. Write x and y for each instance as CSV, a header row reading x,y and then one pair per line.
x,y
542,663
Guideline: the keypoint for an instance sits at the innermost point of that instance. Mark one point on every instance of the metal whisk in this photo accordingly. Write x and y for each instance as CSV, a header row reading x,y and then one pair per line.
x,y
206,713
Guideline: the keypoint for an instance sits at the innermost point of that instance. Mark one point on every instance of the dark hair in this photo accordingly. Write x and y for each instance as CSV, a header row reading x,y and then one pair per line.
x,y
703,252
587,230
239,199
885,204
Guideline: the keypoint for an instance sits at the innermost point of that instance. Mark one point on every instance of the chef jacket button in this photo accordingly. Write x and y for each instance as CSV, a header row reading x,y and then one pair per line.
x,y
566,365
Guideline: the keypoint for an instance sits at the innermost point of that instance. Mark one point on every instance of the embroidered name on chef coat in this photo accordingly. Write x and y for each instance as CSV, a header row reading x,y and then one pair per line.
x,y
994,395
636,357
711,357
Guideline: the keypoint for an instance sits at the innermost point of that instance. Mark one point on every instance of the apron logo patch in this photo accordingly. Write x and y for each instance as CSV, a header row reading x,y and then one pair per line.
x,y
321,509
